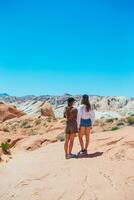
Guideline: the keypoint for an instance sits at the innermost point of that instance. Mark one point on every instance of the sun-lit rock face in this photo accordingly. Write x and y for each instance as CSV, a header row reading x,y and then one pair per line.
x,y
105,106
37,108
9,112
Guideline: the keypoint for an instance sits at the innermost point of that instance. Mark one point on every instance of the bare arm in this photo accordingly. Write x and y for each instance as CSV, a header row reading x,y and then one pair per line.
x,y
92,117
64,114
79,117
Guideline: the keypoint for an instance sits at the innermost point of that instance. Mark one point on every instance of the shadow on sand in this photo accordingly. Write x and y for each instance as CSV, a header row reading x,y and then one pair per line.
x,y
91,155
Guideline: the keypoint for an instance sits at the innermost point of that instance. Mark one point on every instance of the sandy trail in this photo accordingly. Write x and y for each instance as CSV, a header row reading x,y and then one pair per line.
x,y
45,175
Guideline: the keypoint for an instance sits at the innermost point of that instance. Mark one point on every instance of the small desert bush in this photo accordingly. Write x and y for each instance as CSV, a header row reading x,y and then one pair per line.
x,y
44,124
120,124
5,148
49,119
97,122
61,137
114,128
37,122
116,118
32,132
63,120
5,129
110,120
25,124
130,120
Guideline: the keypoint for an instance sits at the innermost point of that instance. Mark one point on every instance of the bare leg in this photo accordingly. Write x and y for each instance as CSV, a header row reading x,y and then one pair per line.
x,y
66,144
71,142
81,132
87,135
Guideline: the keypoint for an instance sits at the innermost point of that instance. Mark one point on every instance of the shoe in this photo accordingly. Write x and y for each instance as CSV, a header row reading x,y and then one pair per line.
x,y
85,151
82,152
73,155
68,156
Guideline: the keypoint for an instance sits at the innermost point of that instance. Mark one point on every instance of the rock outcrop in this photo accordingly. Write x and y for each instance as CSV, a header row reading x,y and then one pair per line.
x,y
105,106
9,112
37,108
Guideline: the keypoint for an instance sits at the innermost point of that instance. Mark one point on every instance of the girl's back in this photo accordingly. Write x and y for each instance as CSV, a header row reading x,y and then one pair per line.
x,y
70,113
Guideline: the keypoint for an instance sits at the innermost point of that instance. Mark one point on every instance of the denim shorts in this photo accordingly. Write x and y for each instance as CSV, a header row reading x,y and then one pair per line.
x,y
86,122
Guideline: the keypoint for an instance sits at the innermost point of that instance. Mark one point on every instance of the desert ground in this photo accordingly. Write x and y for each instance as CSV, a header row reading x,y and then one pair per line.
x,y
107,173
33,166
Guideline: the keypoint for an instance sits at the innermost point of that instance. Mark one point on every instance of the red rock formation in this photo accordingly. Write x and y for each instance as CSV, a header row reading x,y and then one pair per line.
x,y
9,112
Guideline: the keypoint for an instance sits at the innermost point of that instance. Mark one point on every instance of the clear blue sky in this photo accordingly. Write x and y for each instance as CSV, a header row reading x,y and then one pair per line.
x,y
73,46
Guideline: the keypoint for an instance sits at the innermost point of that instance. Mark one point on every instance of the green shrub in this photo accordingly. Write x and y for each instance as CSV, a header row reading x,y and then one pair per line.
x,y
25,124
114,128
109,120
120,124
130,120
37,122
5,148
61,137
45,124
32,132
116,118
63,120
49,119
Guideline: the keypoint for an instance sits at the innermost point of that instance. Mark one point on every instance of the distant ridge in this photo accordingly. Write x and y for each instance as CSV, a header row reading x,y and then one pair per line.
x,y
4,95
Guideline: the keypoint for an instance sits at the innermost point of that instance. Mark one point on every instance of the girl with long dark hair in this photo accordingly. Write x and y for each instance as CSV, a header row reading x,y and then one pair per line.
x,y
70,114
85,120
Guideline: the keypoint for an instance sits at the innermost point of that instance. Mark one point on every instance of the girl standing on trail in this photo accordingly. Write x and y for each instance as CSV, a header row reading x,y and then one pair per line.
x,y
70,114
85,120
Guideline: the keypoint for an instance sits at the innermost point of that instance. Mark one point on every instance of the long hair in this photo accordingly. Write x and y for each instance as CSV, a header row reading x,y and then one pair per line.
x,y
69,106
86,102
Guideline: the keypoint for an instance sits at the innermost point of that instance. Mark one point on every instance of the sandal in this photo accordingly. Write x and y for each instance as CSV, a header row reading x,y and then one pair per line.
x,y
68,156
82,152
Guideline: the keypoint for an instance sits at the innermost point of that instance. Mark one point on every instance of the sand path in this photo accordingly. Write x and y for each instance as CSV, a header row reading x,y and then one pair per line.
x,y
45,175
